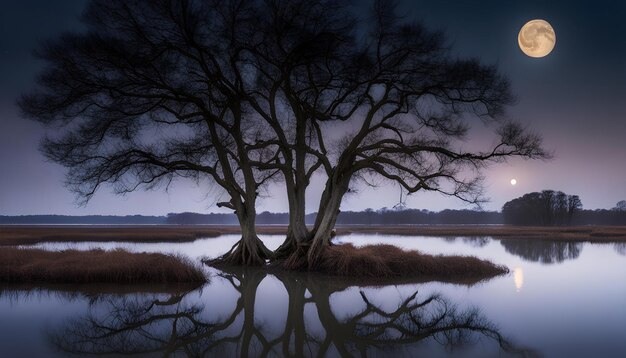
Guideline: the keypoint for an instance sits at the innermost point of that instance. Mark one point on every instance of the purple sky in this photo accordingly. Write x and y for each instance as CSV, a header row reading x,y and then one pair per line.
x,y
575,97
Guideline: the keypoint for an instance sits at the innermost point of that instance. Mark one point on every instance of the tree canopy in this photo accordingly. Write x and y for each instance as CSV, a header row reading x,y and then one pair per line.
x,y
245,93
547,208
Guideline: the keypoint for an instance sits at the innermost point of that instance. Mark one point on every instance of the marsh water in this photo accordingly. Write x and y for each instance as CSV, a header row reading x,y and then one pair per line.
x,y
561,299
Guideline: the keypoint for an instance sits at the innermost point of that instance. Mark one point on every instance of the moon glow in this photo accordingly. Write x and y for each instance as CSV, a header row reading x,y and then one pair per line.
x,y
518,278
513,182
536,38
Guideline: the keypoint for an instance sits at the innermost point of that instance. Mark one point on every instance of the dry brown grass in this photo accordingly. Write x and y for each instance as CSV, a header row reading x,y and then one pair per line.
x,y
24,235
391,261
388,261
95,266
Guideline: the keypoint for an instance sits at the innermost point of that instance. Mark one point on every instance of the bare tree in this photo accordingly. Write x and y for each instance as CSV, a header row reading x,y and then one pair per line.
x,y
243,92
406,101
408,105
298,53
148,94
620,206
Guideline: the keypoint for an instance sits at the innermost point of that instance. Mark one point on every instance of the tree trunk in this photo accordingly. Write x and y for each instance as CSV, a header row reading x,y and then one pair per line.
x,y
297,233
297,236
326,220
296,183
249,250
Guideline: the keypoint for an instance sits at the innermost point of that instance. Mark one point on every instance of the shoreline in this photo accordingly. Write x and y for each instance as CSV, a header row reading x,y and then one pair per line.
x,y
13,235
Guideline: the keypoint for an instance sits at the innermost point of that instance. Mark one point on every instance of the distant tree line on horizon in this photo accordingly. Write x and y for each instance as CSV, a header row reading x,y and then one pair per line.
x,y
383,216
82,219
555,208
532,209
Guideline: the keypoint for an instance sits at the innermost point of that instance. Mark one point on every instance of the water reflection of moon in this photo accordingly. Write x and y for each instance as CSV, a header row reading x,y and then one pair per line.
x,y
518,278
536,38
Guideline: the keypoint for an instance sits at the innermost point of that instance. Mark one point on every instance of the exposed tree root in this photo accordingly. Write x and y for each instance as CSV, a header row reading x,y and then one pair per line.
x,y
316,252
287,248
244,253
293,243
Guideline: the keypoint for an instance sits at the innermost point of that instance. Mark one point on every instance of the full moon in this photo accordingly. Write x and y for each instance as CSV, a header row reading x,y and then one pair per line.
x,y
536,38
513,181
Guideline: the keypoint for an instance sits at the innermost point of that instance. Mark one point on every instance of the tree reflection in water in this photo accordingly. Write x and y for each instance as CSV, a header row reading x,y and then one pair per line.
x,y
167,326
473,241
544,251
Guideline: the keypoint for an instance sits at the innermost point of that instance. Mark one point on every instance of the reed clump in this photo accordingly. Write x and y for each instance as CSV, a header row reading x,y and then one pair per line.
x,y
19,265
388,261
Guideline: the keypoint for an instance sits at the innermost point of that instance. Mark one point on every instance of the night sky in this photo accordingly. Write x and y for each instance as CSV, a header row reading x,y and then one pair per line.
x,y
575,97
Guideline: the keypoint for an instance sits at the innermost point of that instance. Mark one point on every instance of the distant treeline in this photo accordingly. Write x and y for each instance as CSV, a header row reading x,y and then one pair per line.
x,y
555,208
400,217
546,208
600,217
367,217
85,219
419,217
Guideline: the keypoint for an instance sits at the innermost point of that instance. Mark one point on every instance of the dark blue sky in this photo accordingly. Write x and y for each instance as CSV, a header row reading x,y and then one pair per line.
x,y
576,97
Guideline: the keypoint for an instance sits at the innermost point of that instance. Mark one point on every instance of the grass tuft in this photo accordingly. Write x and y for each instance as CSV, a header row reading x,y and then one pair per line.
x,y
95,266
388,261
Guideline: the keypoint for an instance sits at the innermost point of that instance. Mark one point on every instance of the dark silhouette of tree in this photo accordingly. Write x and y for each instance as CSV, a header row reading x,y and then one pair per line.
x,y
147,94
135,325
620,206
409,105
574,205
367,217
246,92
547,208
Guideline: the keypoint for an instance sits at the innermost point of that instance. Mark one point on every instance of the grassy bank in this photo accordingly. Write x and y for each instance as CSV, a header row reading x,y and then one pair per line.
x,y
95,266
383,262
390,261
24,235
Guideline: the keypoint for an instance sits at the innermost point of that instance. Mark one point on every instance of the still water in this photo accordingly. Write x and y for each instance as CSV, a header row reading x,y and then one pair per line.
x,y
561,299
